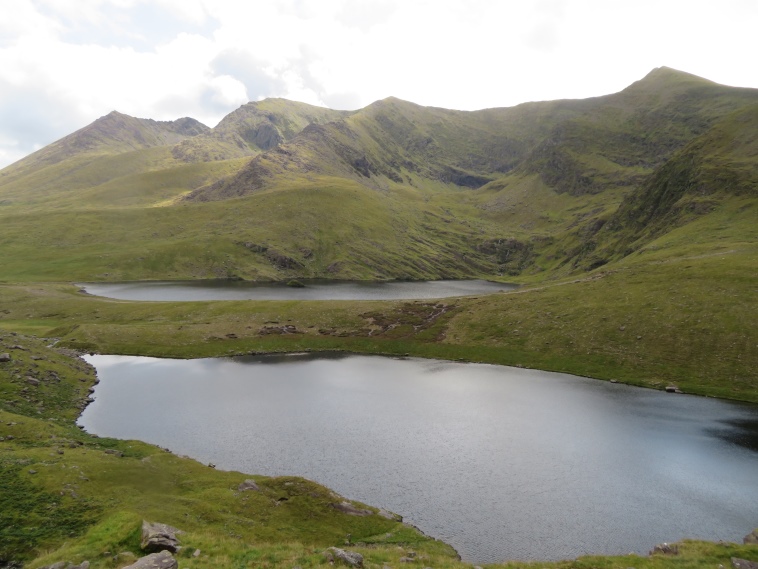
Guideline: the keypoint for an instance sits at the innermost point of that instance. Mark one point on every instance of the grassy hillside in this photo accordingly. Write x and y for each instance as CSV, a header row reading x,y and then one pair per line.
x,y
717,168
121,161
388,191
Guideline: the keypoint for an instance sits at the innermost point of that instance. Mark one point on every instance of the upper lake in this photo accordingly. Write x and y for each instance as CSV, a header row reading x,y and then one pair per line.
x,y
314,290
502,463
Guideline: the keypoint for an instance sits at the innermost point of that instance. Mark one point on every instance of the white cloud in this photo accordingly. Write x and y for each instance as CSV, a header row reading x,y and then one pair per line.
x,y
63,63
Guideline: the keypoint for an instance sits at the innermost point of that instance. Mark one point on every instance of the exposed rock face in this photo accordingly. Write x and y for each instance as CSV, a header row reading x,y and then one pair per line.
x,y
248,485
349,558
281,261
161,560
752,537
738,563
159,537
349,509
265,136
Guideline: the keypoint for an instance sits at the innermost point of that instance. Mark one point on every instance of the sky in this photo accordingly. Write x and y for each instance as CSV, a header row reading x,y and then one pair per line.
x,y
64,63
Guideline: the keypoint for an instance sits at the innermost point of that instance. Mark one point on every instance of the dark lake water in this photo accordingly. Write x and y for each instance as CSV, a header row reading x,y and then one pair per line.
x,y
314,290
502,463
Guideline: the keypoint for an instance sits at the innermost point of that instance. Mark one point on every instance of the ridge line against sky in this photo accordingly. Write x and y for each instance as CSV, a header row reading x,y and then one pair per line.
x,y
64,63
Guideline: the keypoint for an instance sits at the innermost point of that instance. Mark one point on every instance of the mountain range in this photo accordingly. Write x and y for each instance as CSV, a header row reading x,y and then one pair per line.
x,y
394,190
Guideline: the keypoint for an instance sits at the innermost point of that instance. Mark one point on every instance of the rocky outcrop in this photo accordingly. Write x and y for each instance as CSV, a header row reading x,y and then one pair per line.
x,y
281,261
159,537
286,329
161,560
248,485
350,510
349,558
752,537
665,549
738,563
5,357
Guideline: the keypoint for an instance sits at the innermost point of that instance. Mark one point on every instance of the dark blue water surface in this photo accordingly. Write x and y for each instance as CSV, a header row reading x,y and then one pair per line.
x,y
502,463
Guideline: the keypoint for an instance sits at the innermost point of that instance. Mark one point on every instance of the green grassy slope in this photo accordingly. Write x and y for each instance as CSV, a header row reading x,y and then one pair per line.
x,y
578,147
121,161
327,227
112,134
704,195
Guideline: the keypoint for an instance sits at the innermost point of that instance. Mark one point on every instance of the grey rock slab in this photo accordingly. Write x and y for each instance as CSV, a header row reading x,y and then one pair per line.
x,y
158,537
349,509
350,558
248,485
160,560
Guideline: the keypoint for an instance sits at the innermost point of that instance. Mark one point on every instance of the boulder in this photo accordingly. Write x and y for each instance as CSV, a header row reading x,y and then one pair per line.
x,y
752,537
349,558
5,357
159,537
160,560
665,549
738,563
248,485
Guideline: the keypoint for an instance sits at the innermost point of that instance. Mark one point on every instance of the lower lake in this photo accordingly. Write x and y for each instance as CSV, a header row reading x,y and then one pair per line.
x,y
313,290
501,463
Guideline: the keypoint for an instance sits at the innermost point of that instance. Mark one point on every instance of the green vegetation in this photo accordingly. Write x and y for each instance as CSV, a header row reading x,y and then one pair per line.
x,y
630,220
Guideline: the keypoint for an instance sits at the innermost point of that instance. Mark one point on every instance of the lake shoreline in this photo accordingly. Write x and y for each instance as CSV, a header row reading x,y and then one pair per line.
x,y
283,459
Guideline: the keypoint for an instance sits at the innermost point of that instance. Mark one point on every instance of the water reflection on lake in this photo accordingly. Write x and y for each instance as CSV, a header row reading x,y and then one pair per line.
x,y
313,290
502,463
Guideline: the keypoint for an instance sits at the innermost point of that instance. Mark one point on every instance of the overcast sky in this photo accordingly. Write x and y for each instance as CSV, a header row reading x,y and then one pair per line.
x,y
64,63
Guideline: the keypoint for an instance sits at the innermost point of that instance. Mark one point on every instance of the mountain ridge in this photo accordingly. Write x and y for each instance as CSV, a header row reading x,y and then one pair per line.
x,y
528,188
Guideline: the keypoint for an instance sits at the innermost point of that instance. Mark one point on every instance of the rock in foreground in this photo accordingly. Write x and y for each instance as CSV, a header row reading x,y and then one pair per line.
x,y
159,537
349,558
162,560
